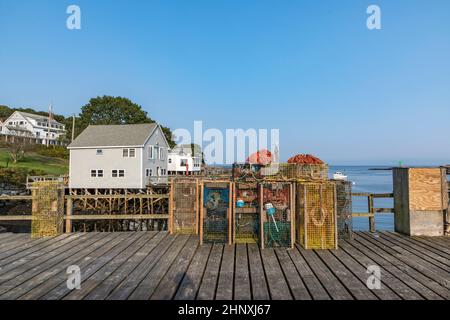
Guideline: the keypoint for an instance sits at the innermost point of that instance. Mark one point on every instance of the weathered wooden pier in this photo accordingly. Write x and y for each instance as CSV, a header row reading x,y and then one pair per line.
x,y
157,265
144,244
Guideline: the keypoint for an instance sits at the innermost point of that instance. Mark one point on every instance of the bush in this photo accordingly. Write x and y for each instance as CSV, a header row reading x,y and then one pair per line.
x,y
53,151
17,176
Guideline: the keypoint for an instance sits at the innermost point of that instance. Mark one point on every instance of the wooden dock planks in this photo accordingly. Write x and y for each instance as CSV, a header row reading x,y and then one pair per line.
x,y
156,265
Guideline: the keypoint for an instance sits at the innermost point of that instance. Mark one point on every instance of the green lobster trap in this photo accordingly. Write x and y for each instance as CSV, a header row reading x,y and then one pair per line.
x,y
246,208
344,209
184,206
215,212
316,215
277,214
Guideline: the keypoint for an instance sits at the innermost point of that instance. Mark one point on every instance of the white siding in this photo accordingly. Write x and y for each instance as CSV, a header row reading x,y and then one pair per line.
x,y
82,161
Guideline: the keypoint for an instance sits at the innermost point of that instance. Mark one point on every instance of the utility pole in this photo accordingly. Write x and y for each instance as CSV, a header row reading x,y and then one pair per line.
x,y
48,124
73,127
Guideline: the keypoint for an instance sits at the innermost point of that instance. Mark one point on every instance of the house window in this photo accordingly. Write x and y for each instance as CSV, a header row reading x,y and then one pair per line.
x,y
151,152
121,173
99,152
125,153
96,173
161,154
132,153
114,173
170,160
148,172
183,162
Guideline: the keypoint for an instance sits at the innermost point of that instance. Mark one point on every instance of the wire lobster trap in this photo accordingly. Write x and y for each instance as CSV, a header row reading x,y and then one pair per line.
x,y
184,206
47,209
246,208
215,212
293,171
344,209
316,215
277,214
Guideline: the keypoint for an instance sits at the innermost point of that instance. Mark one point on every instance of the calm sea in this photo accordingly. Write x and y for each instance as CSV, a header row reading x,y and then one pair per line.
x,y
372,181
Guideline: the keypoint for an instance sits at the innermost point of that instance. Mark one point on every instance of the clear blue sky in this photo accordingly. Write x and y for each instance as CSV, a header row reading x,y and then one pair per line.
x,y
310,68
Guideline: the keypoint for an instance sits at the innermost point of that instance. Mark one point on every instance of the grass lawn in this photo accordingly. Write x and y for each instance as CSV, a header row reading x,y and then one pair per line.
x,y
51,166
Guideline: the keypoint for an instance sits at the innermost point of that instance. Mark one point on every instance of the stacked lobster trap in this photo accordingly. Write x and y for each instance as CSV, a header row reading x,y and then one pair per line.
x,y
294,171
277,214
47,209
184,206
246,208
344,209
316,213
216,212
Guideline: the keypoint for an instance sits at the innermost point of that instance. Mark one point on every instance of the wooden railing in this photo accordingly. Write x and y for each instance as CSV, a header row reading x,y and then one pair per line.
x,y
372,210
69,216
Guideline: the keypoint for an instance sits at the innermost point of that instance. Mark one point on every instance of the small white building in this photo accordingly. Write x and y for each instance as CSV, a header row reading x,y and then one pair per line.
x,y
185,160
118,157
29,125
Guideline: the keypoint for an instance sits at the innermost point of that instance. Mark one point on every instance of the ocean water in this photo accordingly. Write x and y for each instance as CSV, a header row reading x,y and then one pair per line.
x,y
371,181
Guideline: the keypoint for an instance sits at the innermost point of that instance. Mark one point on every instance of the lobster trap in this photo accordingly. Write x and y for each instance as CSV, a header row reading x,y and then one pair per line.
x,y
47,209
316,215
215,212
246,208
277,214
344,209
184,206
293,171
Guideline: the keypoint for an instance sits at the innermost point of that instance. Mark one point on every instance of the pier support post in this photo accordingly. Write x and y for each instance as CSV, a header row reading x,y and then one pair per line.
x,y
69,210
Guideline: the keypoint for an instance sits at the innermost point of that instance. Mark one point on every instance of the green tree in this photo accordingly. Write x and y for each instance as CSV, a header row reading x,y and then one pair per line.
x,y
112,110
5,112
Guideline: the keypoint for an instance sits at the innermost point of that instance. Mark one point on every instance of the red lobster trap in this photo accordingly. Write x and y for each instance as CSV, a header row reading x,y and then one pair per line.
x,y
246,208
277,214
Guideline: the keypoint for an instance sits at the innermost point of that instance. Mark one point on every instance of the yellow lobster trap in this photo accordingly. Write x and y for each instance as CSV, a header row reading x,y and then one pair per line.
x,y
184,206
47,209
316,215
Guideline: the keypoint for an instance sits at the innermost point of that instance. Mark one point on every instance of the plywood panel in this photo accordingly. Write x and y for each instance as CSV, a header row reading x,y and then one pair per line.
x,y
425,189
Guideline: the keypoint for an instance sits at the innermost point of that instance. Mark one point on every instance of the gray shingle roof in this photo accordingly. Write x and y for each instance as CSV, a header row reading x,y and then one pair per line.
x,y
114,135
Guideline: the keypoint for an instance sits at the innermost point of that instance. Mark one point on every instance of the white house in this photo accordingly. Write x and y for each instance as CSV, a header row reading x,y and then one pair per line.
x,y
3,128
118,157
34,126
185,159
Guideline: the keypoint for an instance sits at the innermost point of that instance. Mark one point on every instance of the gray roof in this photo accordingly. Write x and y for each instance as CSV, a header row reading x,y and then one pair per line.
x,y
114,135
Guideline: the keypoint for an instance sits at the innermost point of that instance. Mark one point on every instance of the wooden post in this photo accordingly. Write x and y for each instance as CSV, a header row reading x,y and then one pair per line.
x,y
201,213
372,214
171,208
261,215
305,219
230,213
292,215
197,213
234,212
69,211
335,218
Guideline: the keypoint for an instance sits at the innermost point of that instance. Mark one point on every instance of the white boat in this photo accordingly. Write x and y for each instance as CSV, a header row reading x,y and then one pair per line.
x,y
339,176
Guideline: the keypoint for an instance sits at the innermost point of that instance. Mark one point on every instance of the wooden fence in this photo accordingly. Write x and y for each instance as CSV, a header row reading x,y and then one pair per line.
x,y
372,210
